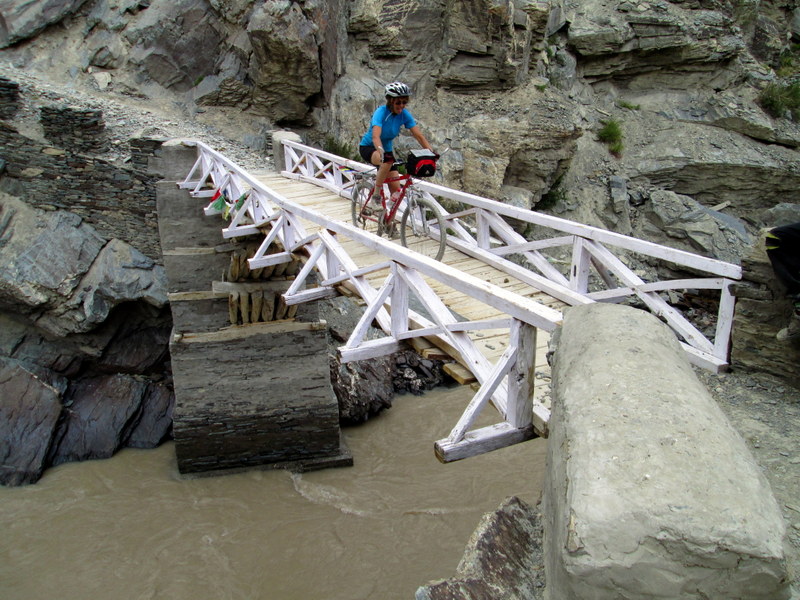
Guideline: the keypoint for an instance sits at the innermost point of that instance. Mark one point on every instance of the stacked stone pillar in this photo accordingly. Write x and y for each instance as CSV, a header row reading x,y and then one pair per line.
x,y
251,390
762,309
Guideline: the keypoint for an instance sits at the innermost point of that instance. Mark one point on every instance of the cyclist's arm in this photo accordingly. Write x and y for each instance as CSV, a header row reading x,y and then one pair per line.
x,y
417,133
376,137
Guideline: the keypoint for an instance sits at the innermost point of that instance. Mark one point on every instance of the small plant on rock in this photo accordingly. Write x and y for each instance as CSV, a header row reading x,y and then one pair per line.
x,y
628,105
611,135
778,99
334,146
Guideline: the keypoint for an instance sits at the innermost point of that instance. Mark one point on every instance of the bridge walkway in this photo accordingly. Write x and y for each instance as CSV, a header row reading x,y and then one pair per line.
x,y
491,342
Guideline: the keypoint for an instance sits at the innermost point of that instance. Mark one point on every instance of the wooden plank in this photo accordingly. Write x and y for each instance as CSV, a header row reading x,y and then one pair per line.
x,y
243,331
459,372
481,441
309,295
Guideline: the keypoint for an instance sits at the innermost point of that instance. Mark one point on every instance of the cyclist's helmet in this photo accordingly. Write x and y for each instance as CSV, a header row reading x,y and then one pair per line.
x,y
397,89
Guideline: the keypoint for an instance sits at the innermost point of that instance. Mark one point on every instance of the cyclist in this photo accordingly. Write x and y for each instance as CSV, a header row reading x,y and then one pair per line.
x,y
783,249
376,145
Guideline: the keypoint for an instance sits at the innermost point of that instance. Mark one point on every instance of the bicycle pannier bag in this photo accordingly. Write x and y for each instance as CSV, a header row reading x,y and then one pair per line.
x,y
421,163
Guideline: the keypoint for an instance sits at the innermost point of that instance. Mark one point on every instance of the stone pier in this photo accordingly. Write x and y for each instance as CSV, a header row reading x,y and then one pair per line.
x,y
252,381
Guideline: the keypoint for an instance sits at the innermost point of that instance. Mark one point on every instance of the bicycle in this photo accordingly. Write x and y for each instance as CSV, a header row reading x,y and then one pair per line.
x,y
422,228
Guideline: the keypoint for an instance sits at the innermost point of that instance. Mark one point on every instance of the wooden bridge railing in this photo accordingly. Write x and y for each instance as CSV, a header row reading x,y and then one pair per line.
x,y
479,230
254,209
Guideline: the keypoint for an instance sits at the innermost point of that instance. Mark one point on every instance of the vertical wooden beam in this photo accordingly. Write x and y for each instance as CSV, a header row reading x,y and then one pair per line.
x,y
722,337
579,271
399,304
521,378
484,230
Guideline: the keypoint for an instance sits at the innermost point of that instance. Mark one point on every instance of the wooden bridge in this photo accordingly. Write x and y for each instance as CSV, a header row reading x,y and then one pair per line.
x,y
489,303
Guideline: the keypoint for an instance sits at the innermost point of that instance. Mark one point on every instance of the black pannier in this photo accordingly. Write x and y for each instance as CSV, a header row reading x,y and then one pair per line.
x,y
421,163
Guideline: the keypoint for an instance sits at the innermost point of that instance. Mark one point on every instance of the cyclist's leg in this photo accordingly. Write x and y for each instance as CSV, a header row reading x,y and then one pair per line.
x,y
394,186
384,170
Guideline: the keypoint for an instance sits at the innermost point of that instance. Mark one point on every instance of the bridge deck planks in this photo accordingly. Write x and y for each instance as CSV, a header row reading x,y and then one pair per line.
x,y
491,342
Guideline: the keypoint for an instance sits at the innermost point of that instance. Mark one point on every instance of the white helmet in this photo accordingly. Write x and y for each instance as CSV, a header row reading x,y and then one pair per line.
x,y
397,89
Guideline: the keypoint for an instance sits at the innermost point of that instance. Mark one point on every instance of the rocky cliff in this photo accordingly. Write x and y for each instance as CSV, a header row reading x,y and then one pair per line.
x,y
675,121
518,90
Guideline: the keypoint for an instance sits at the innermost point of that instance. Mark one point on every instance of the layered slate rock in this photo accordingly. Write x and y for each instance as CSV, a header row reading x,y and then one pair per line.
x,y
29,413
503,559
99,419
649,490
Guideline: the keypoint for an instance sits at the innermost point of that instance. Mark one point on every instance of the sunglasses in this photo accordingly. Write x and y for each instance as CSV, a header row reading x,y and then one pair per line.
x,y
400,102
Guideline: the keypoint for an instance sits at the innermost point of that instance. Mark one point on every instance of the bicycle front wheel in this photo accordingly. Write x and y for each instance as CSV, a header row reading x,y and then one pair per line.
x,y
422,228
363,219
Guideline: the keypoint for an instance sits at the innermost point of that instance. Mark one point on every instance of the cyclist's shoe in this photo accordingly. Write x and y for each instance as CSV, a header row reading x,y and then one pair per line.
x,y
373,205
792,332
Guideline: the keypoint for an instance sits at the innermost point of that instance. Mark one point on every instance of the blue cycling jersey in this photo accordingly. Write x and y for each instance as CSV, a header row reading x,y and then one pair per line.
x,y
390,125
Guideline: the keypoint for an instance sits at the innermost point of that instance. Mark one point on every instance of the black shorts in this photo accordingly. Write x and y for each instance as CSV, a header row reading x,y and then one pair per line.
x,y
366,154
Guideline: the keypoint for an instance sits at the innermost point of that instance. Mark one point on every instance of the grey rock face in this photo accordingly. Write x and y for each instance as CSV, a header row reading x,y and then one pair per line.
x,y
165,42
42,266
154,421
503,559
29,412
64,275
98,418
654,36
22,20
285,63
679,221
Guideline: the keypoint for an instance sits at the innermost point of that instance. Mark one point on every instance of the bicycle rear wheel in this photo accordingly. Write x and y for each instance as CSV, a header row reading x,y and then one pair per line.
x,y
364,219
422,228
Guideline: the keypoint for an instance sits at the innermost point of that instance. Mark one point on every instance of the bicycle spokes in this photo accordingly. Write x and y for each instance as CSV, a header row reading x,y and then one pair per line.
x,y
422,228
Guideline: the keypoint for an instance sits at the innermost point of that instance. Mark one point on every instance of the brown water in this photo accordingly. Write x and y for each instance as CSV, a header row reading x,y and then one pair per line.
x,y
131,528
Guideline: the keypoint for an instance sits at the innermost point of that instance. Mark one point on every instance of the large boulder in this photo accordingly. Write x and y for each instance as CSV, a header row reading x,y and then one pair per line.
x,y
649,491
63,275
29,413
101,413
285,63
679,221
20,20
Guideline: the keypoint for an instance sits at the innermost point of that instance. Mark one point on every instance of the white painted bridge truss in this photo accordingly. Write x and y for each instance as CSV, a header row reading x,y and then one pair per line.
x,y
478,231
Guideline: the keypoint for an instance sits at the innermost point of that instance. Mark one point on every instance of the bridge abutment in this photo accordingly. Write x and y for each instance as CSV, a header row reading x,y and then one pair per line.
x,y
649,491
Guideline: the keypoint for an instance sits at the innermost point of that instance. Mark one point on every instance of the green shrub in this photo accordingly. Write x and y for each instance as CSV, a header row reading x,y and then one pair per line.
x,y
611,135
628,105
338,148
778,98
789,61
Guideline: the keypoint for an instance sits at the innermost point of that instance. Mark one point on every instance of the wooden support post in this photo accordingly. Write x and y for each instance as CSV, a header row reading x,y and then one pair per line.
x,y
722,337
521,378
399,297
484,231
579,272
